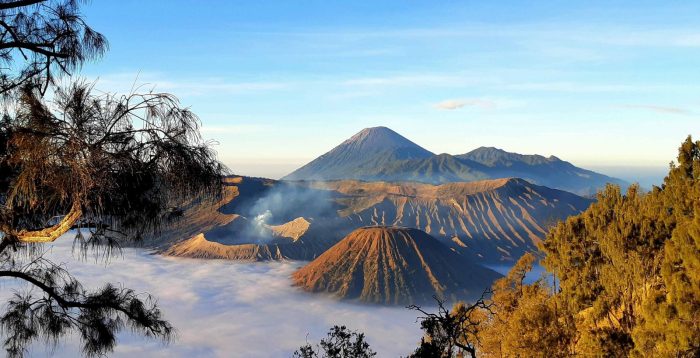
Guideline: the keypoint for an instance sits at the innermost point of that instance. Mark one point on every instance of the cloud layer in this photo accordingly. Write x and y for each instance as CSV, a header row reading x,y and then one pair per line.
x,y
229,309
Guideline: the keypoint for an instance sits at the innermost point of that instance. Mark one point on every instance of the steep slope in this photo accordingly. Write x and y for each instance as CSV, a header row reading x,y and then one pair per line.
x,y
392,265
490,220
442,168
548,171
369,149
294,229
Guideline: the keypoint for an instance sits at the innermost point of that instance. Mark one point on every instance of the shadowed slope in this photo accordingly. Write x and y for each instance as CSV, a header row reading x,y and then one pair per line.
x,y
393,265
438,169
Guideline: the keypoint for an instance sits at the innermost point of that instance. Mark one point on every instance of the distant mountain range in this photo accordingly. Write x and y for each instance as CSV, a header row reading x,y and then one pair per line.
x,y
380,154
393,265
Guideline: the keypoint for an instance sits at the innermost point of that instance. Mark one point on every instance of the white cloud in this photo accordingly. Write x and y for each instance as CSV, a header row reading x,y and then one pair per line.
x,y
452,104
657,109
229,309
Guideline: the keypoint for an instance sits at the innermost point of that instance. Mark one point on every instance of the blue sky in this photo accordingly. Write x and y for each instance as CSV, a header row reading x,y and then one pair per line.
x,y
609,85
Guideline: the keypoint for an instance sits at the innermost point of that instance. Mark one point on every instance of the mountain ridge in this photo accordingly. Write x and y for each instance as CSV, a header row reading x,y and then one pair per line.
x,y
489,221
380,154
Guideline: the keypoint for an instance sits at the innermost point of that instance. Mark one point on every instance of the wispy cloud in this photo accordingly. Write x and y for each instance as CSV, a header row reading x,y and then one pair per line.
x,y
452,104
644,38
437,80
573,87
657,109
547,30
554,32
234,129
128,81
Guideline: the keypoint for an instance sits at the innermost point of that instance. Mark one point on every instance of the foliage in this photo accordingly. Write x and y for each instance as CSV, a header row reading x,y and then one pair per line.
x,y
525,319
124,161
669,323
87,152
114,168
625,282
627,277
64,306
340,343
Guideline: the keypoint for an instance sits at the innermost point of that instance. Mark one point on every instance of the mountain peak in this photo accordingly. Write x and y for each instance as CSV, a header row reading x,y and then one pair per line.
x,y
381,138
369,148
492,149
377,129
492,156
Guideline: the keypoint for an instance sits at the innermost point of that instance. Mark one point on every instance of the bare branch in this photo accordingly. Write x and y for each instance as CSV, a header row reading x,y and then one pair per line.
x,y
16,4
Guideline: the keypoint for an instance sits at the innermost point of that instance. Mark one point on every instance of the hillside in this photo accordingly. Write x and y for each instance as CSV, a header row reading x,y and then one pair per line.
x,y
392,265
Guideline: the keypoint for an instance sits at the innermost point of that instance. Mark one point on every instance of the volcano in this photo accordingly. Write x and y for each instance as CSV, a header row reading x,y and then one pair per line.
x,y
367,151
394,265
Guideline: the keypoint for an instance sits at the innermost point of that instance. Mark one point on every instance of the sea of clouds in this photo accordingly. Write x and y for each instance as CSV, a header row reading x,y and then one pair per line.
x,y
228,309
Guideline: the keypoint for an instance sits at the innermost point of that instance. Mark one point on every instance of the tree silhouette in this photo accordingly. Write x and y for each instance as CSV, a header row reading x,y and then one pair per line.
x,y
114,168
451,333
40,40
340,343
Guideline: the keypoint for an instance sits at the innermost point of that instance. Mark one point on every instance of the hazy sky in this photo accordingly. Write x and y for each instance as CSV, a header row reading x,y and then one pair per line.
x,y
598,83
